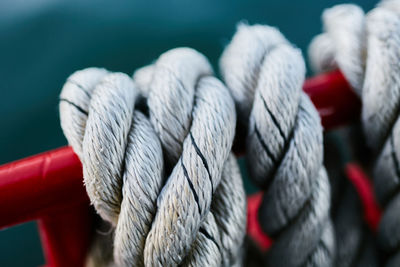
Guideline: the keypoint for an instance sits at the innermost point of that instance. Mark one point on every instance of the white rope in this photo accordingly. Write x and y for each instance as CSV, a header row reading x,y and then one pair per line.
x,y
194,115
348,53
197,218
375,60
120,153
284,145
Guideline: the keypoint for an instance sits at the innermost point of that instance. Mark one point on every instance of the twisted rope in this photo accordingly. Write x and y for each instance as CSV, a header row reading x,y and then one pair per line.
x,y
186,126
120,152
197,216
374,60
284,145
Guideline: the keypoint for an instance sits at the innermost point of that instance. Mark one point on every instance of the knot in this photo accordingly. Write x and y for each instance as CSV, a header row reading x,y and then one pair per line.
x,y
369,49
195,119
120,153
284,145
365,48
192,213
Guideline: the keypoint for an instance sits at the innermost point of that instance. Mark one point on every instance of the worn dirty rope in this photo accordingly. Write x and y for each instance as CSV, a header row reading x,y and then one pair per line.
x,y
196,216
367,49
284,145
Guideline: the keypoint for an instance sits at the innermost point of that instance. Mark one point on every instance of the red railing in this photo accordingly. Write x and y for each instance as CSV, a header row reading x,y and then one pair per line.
x,y
48,187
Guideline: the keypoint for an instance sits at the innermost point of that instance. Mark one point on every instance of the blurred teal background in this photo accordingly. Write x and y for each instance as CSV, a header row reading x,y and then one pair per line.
x,y
43,41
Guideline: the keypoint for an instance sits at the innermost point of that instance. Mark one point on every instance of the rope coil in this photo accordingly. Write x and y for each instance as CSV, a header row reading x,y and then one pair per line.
x,y
284,145
197,216
200,125
366,47
165,177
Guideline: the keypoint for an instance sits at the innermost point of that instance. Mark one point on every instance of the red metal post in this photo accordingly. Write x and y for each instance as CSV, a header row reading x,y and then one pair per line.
x,y
363,185
66,235
336,102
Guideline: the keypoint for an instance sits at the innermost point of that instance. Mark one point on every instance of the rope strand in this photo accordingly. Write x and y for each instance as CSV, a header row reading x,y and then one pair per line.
x,y
375,61
195,217
284,145
186,127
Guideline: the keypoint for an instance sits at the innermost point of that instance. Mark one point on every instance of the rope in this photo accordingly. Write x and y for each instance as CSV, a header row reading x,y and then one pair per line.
x,y
98,118
372,68
354,242
189,211
284,145
200,125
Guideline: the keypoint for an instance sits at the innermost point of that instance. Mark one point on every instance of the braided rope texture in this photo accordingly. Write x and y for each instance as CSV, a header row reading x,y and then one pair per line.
x,y
284,145
166,182
367,49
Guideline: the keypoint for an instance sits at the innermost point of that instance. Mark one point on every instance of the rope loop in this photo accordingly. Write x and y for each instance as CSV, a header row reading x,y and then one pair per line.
x,y
196,133
368,53
190,210
284,145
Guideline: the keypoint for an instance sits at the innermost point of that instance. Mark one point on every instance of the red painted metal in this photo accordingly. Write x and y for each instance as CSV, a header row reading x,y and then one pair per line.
x,y
363,185
36,186
336,103
48,187
66,235
253,226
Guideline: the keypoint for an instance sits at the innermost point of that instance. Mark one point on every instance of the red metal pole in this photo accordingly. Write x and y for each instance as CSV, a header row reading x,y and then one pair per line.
x,y
363,185
48,187
336,102
36,186
66,235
